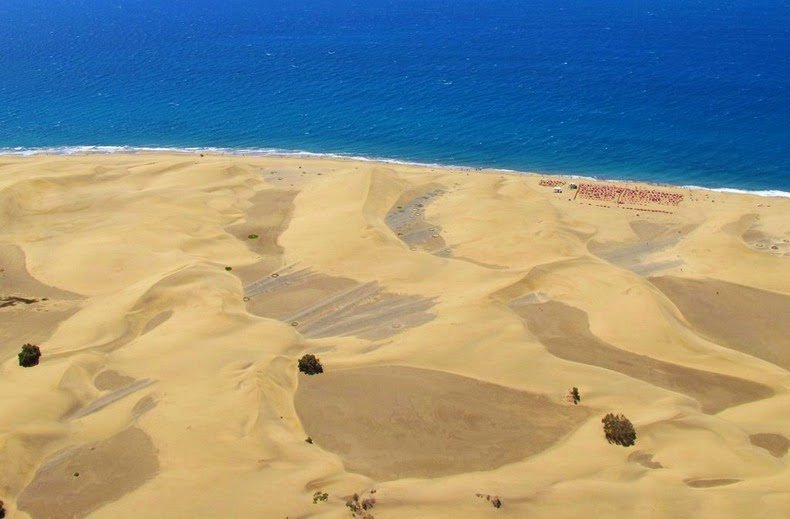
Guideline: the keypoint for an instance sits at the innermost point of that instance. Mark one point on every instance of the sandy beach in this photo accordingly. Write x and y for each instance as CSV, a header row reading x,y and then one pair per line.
x,y
172,295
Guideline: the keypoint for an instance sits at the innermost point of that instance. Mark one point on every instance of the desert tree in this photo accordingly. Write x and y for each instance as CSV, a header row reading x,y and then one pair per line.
x,y
619,430
29,356
310,365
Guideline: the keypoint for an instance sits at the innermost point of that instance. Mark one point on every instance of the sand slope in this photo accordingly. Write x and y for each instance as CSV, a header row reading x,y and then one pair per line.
x,y
172,295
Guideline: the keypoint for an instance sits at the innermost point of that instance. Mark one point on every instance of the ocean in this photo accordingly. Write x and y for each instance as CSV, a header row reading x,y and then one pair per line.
x,y
689,92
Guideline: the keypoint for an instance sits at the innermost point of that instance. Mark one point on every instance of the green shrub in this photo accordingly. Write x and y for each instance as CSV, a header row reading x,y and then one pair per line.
x,y
618,430
252,236
29,356
310,365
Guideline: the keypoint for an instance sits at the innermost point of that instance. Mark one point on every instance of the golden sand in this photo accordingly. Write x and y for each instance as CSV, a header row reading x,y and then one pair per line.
x,y
171,296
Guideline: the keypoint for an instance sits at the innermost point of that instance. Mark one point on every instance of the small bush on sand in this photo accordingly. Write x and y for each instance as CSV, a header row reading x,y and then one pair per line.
x,y
2,510
361,508
619,430
252,237
29,356
320,497
228,268
573,396
13,300
310,365
494,500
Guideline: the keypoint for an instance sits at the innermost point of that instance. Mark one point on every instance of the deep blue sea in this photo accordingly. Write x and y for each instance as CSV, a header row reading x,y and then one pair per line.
x,y
676,91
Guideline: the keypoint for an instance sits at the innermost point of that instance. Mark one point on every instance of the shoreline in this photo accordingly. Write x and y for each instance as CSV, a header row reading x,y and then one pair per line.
x,y
275,152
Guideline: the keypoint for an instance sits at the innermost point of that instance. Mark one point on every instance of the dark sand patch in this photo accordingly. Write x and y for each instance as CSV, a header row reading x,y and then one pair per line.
x,y
645,459
108,380
707,483
776,444
323,306
763,242
157,320
565,331
267,218
407,221
390,422
651,238
748,228
746,319
648,230
107,470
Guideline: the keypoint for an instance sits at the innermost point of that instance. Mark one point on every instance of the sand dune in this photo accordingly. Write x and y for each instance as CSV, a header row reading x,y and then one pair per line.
x,y
565,332
756,322
171,296
24,299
